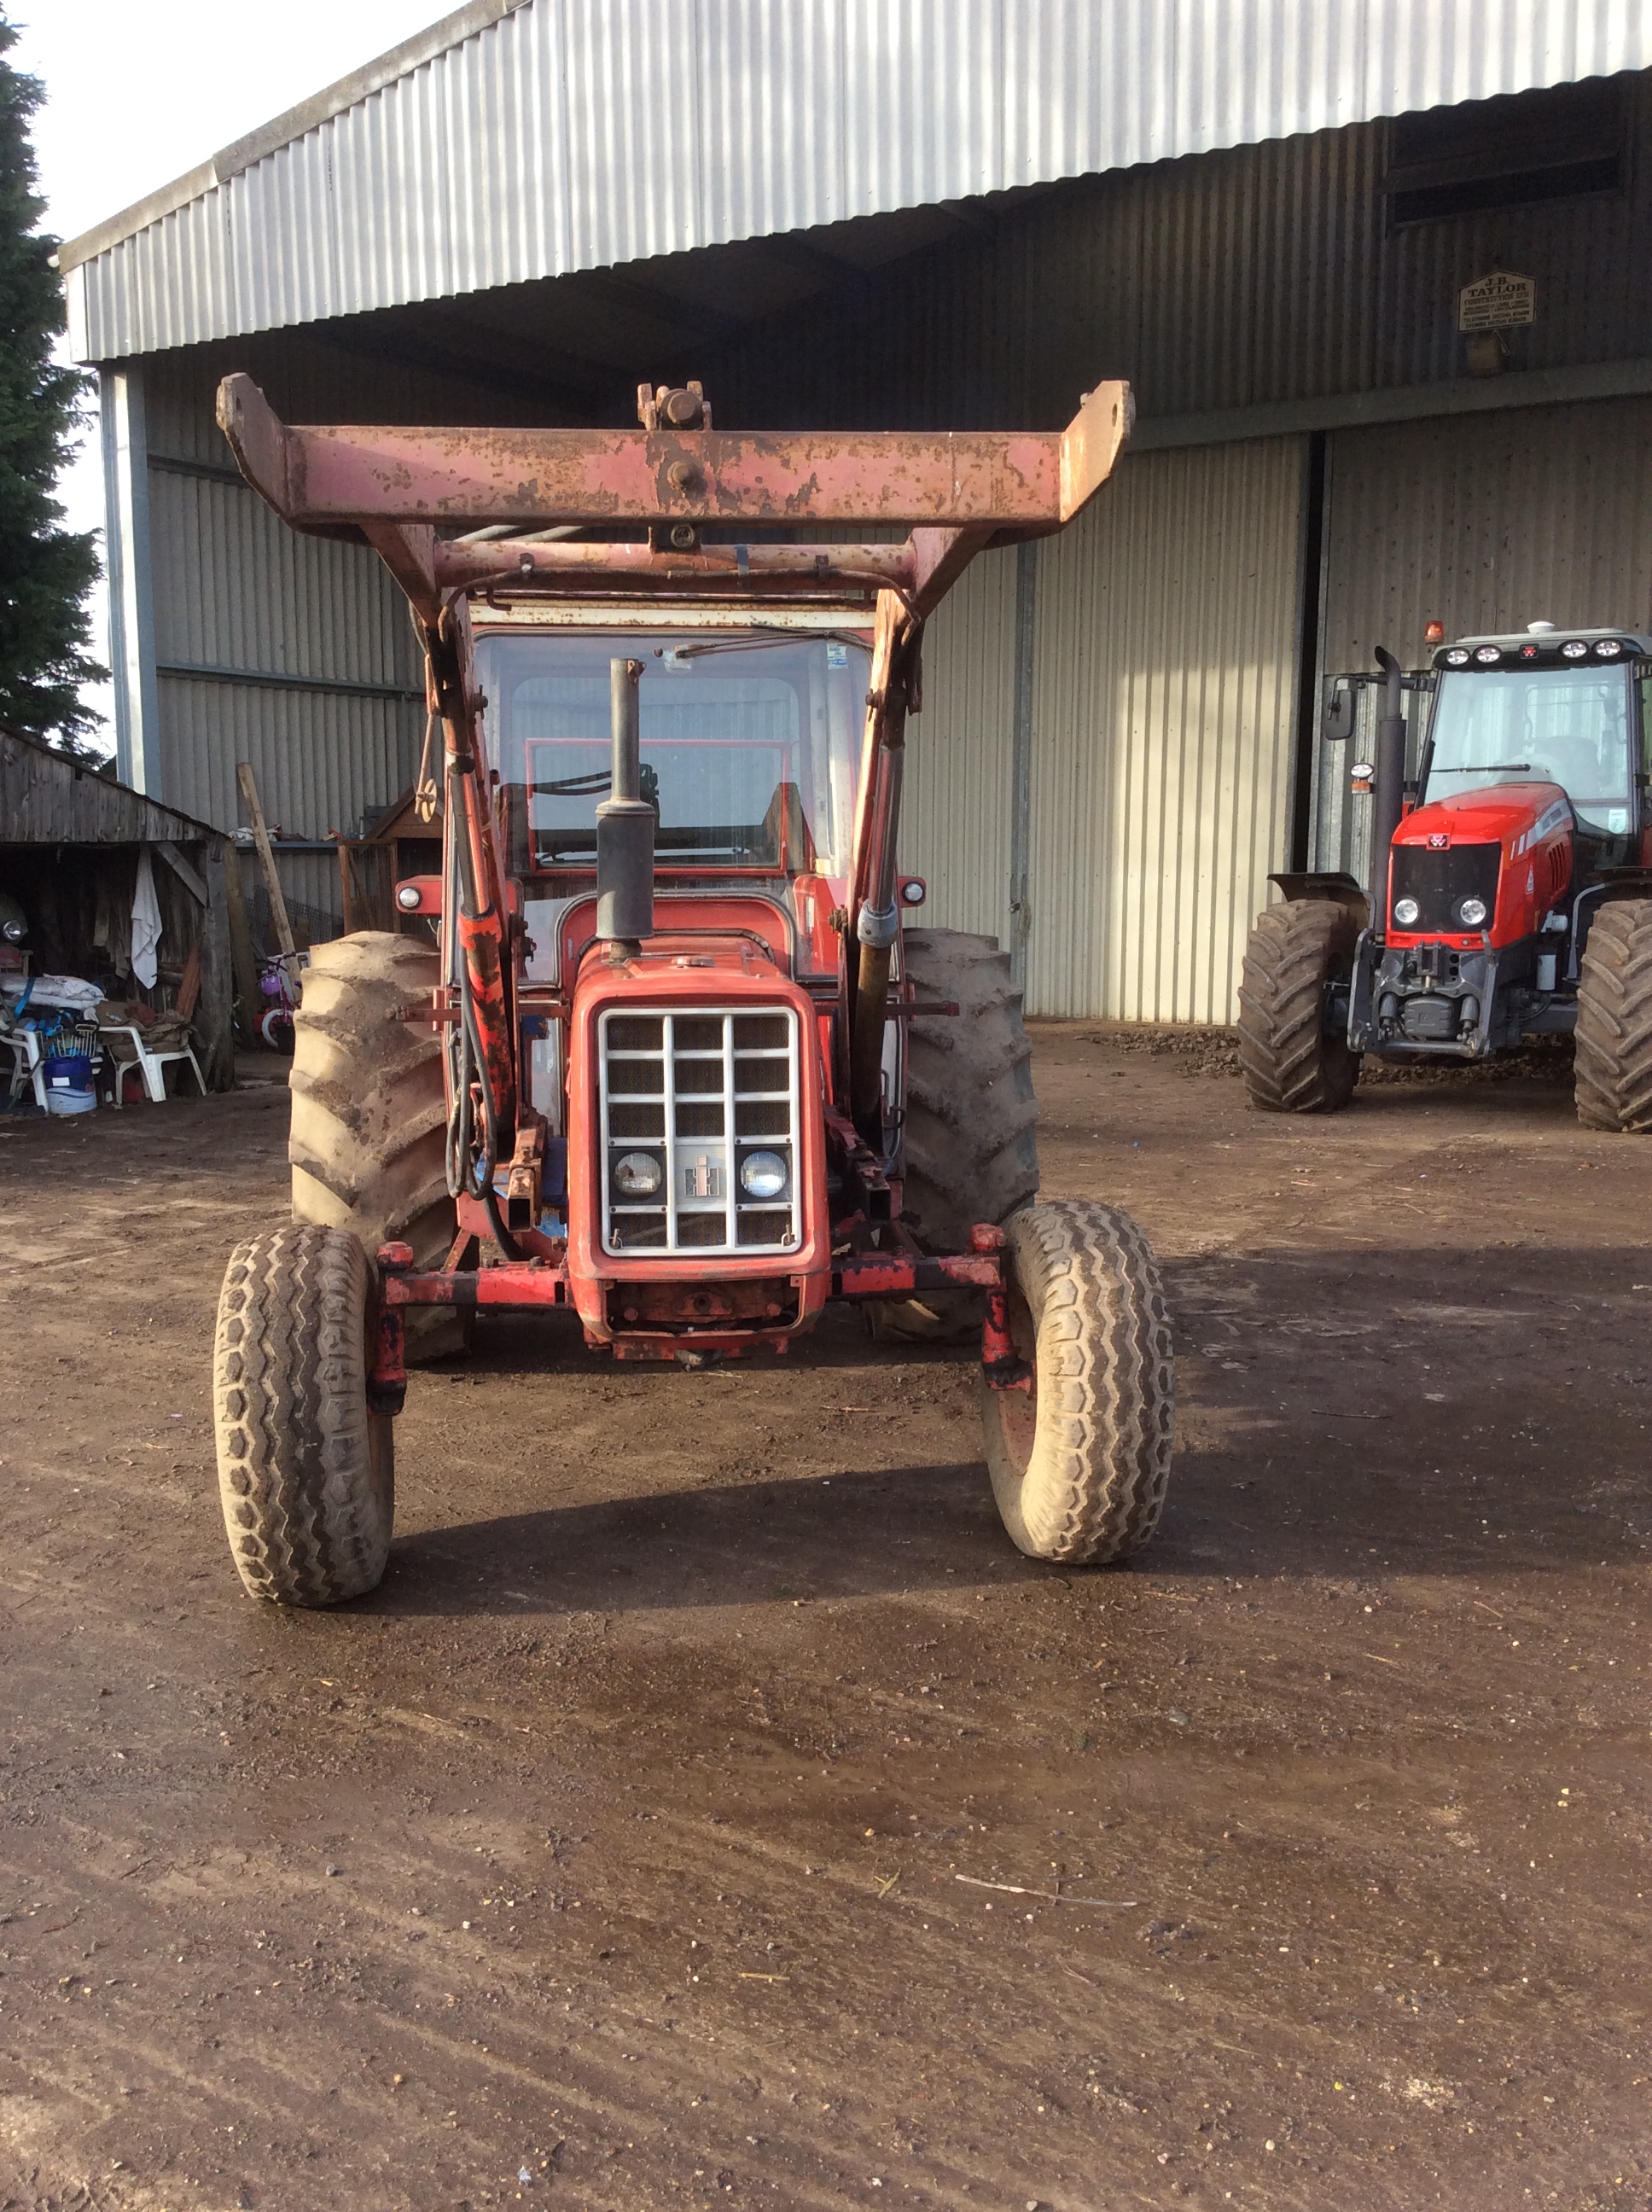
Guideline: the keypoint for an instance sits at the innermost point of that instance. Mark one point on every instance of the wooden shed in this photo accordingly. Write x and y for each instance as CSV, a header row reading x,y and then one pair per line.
x,y
399,844
70,842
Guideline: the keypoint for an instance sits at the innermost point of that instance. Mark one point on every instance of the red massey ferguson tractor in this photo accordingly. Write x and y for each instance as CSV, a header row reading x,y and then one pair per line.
x,y
1516,884
666,1052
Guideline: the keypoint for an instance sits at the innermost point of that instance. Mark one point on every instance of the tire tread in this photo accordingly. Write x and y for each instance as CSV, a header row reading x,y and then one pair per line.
x,y
1613,1038
1094,1486
305,1470
1290,1065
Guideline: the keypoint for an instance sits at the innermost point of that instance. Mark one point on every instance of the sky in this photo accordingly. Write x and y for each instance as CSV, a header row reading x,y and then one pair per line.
x,y
137,91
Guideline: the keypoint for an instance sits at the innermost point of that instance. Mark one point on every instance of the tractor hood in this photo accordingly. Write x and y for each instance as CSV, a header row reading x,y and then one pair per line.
x,y
1481,868
1501,813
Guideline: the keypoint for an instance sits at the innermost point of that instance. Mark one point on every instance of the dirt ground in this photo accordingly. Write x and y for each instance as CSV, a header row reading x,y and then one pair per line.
x,y
711,1809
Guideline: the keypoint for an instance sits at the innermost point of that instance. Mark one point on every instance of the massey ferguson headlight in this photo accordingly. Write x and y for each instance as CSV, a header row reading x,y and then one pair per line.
x,y
638,1175
1406,912
1575,648
1458,657
762,1175
1487,655
1608,648
1471,911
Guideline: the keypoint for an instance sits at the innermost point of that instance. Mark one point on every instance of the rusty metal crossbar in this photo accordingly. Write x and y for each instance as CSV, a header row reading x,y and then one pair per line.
x,y
1016,481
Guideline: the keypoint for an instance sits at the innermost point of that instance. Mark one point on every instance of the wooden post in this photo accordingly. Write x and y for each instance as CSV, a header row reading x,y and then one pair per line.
x,y
242,957
343,881
284,944
227,961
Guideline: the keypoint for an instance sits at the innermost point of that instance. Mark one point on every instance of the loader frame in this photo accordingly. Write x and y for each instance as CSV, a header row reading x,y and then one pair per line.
x,y
691,489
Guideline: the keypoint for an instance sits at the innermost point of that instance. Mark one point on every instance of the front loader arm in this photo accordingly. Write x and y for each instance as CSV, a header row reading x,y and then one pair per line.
x,y
483,1106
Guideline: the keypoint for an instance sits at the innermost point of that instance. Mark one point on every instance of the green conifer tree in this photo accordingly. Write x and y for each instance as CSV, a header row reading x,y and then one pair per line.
x,y
46,571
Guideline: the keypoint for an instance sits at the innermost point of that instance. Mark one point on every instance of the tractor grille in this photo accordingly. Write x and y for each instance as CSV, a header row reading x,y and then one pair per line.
x,y
696,1094
1438,880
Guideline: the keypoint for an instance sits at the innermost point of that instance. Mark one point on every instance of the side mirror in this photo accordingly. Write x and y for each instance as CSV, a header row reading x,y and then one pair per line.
x,y
1338,726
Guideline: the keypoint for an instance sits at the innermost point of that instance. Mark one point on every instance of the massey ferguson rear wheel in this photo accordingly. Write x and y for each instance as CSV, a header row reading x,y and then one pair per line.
x,y
367,1140
1613,1068
971,1117
306,1472
1293,1062
1080,1459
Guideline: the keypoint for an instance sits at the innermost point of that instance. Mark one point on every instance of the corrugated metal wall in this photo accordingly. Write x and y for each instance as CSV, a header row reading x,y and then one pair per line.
x,y
1255,276
238,594
956,805
580,134
1488,523
1166,627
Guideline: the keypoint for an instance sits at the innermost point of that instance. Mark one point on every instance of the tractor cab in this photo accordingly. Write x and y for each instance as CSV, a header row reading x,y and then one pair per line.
x,y
1540,709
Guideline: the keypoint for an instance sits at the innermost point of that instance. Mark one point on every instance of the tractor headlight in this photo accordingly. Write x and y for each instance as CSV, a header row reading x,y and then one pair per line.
x,y
1575,648
1471,911
762,1175
1406,912
1457,658
1608,648
1487,655
638,1175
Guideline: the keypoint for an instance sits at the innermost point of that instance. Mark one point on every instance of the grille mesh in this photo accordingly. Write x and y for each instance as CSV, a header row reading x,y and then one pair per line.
x,y
686,1098
1439,881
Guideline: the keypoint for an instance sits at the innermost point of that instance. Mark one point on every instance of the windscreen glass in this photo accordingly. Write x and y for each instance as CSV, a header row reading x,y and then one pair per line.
x,y
749,744
1565,725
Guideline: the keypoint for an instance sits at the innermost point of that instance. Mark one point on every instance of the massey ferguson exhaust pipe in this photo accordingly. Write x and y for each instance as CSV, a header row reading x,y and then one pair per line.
x,y
625,827
1389,786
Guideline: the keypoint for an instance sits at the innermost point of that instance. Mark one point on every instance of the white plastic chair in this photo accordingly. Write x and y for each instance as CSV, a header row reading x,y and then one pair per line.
x,y
28,1064
153,1064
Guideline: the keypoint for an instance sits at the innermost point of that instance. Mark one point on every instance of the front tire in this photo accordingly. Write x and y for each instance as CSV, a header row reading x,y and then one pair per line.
x,y
1080,1459
1292,1062
1613,1039
306,1473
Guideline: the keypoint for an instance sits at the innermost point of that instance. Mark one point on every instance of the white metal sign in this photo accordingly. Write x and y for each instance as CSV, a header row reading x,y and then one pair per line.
x,y
1496,303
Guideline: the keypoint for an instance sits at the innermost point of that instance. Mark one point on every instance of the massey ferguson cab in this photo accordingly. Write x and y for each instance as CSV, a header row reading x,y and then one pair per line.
x,y
661,1048
1517,886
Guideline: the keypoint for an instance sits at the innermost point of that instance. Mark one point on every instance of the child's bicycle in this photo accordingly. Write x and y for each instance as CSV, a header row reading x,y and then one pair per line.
x,y
276,983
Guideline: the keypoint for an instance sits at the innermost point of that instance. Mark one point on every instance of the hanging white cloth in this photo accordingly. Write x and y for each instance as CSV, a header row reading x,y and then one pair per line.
x,y
146,921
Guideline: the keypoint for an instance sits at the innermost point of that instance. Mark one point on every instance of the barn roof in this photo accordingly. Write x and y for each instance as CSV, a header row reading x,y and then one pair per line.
x,y
517,140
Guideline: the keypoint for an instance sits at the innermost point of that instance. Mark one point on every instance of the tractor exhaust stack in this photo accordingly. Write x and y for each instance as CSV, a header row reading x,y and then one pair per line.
x,y
1389,786
625,826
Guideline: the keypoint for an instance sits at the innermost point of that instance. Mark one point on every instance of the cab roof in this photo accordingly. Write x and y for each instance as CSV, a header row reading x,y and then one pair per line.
x,y
1554,638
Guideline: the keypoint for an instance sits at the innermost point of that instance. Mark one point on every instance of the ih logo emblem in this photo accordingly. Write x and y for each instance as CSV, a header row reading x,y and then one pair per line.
x,y
1437,841
702,1178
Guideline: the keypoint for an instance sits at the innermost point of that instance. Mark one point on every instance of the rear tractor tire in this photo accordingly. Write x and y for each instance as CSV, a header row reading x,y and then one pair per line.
x,y
971,1117
1293,1062
1080,1458
367,1140
1613,1041
307,1473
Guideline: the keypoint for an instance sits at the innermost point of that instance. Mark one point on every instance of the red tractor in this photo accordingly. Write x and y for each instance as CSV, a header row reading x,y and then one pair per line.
x,y
667,1051
1516,884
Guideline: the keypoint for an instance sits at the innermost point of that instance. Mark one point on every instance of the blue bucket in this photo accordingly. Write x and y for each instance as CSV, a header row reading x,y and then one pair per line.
x,y
69,1083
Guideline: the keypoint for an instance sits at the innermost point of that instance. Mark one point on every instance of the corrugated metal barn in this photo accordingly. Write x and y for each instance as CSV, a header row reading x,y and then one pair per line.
x,y
886,213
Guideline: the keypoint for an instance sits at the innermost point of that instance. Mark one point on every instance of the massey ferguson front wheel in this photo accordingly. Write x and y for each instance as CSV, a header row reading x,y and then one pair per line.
x,y
306,1472
1080,1457
367,1140
1295,1060
1613,1041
